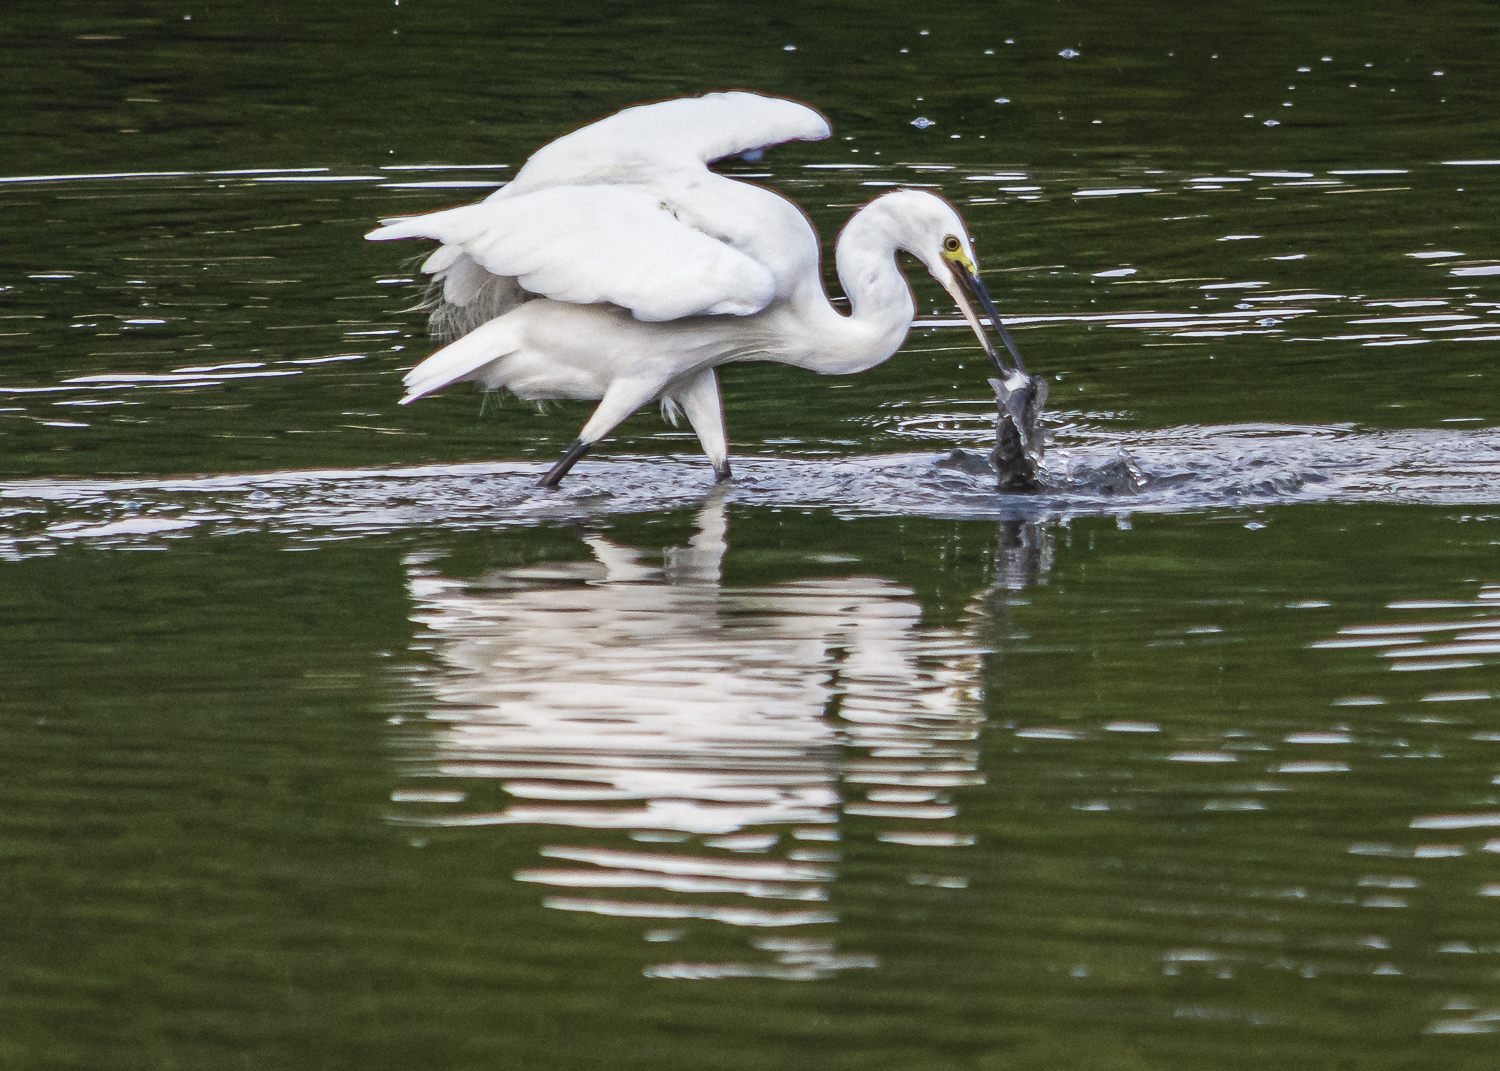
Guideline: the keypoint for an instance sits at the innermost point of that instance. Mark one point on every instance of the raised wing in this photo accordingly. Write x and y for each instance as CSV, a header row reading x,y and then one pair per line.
x,y
634,146
588,244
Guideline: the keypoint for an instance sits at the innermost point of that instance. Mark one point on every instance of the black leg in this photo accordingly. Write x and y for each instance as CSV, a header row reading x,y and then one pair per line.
x,y
567,461
720,475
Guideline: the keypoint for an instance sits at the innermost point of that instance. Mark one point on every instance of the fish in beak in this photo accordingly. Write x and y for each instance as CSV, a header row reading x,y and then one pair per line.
x,y
1019,438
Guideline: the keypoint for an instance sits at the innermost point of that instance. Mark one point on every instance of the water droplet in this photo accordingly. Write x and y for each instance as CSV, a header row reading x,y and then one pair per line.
x,y
1002,100
1069,53
788,48
1272,122
922,122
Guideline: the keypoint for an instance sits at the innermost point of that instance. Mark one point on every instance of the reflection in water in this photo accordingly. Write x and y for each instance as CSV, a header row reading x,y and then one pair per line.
x,y
1436,636
733,731
1023,555
1468,639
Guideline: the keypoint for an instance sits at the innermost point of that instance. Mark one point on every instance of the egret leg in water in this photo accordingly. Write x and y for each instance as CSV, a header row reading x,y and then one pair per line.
x,y
616,266
571,457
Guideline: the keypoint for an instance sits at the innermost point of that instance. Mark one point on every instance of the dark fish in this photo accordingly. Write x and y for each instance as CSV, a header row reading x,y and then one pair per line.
x,y
1019,438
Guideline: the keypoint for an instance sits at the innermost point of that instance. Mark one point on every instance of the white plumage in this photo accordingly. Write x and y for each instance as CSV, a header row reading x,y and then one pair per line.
x,y
617,266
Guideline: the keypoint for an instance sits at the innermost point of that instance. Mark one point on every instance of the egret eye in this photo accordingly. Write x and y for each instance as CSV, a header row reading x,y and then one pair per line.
x,y
951,244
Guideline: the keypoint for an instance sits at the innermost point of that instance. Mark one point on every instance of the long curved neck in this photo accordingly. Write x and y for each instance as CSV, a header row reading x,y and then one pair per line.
x,y
881,305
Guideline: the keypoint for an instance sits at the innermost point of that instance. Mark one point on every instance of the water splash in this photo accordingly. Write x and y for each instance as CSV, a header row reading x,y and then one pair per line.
x,y
1091,471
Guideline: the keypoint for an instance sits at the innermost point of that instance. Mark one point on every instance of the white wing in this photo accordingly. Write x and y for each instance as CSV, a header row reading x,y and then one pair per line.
x,y
640,144
582,222
587,244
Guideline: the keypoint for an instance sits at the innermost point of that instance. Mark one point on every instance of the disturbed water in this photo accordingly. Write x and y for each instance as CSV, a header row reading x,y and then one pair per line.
x,y
326,738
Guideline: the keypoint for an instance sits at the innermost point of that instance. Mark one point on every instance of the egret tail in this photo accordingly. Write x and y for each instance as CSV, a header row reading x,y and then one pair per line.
x,y
459,359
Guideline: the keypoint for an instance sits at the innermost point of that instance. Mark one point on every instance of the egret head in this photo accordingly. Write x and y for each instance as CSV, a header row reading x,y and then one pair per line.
x,y
930,229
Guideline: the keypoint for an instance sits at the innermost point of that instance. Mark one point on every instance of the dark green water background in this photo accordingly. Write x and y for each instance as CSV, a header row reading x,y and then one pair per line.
x,y
1079,793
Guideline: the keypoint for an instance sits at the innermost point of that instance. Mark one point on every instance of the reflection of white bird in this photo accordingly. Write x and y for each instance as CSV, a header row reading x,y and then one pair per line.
x,y
649,271
637,691
630,692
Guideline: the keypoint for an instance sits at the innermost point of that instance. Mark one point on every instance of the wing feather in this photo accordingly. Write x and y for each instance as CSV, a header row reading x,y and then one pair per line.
x,y
589,244
582,222
637,145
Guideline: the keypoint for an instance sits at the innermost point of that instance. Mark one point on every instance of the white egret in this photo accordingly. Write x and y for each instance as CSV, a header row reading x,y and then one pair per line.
x,y
617,266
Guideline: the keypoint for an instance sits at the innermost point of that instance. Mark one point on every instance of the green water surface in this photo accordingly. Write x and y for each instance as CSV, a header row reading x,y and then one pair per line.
x,y
748,785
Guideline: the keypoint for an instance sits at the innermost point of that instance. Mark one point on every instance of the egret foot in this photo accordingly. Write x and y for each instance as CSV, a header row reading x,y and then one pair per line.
x,y
722,473
567,461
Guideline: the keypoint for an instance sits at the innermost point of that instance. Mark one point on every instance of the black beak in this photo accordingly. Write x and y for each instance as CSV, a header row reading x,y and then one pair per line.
x,y
975,286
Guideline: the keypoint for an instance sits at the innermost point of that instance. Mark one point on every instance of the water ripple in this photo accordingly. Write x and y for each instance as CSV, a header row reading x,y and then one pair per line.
x,y
1090,471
